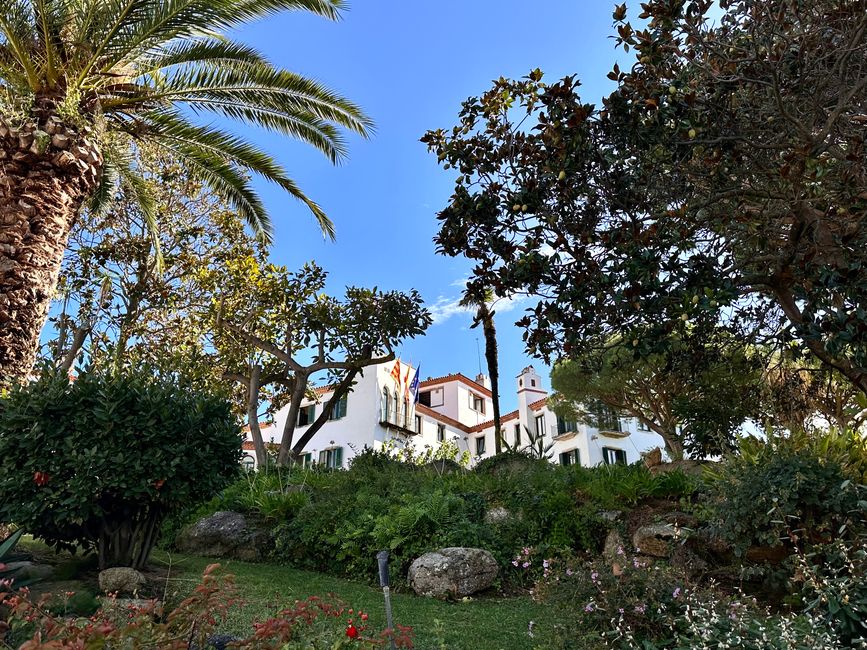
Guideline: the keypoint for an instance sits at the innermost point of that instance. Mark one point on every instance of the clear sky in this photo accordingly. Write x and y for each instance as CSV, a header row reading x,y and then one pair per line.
x,y
410,65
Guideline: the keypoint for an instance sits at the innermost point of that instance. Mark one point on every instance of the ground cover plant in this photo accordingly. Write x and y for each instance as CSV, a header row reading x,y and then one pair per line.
x,y
335,522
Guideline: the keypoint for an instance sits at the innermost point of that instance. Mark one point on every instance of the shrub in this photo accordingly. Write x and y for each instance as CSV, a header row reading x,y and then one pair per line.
x,y
780,495
100,462
641,595
835,587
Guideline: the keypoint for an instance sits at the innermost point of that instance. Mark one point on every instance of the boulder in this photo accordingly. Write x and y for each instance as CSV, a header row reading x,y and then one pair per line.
x,y
656,539
454,571
653,458
121,580
25,570
225,534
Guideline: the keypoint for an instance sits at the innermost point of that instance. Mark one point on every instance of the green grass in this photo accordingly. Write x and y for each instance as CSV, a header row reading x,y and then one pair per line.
x,y
486,623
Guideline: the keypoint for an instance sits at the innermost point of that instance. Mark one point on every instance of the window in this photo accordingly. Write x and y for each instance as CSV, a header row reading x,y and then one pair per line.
x,y
339,410
396,413
517,435
424,398
441,433
385,405
480,445
418,424
642,426
477,403
406,413
248,462
565,426
306,415
607,419
306,459
331,458
532,382
571,457
613,456
540,426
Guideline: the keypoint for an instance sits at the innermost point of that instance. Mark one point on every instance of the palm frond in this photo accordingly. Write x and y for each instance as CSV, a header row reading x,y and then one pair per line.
x,y
172,130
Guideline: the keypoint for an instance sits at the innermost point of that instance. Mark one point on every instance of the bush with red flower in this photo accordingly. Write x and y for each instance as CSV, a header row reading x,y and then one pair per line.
x,y
100,462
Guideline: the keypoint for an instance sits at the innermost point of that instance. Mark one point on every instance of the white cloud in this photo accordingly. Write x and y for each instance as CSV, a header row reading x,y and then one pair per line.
x,y
445,307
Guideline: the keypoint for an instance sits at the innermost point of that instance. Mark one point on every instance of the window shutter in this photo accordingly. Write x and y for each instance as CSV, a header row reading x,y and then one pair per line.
x,y
323,457
338,457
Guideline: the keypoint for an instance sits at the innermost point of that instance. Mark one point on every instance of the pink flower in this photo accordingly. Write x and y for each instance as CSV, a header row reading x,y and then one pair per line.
x,y
676,593
588,607
525,564
515,562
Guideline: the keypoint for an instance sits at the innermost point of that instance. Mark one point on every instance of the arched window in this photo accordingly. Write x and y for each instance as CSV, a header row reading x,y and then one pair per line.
x,y
396,409
405,413
385,400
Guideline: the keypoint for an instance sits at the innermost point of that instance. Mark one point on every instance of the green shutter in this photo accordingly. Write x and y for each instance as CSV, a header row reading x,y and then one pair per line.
x,y
323,457
338,457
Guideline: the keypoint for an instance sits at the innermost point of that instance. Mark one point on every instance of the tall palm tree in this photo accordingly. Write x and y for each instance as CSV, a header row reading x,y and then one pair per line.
x,y
484,316
84,82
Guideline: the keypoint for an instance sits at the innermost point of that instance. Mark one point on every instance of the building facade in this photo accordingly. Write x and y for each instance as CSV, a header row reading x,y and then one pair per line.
x,y
458,410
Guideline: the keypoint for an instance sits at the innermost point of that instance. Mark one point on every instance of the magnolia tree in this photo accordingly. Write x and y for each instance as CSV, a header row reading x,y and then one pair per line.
x,y
722,184
275,326
695,396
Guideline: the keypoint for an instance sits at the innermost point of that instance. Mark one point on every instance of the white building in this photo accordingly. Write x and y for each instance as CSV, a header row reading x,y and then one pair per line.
x,y
458,409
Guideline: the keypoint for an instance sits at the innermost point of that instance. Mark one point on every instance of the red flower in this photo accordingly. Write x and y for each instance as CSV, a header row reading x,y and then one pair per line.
x,y
159,484
364,617
40,478
352,631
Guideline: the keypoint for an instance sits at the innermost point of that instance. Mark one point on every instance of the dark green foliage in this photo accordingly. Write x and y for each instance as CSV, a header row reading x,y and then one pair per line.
x,y
783,495
99,462
339,520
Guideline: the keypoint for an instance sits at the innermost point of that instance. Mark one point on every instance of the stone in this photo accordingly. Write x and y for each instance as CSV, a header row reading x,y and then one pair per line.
x,y
25,570
225,534
656,539
497,515
457,572
613,551
121,580
653,458
60,141
610,515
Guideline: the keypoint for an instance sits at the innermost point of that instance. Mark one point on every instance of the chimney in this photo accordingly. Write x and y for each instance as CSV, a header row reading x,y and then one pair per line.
x,y
484,380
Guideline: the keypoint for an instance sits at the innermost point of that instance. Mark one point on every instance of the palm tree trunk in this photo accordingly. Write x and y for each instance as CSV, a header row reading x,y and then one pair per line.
x,y
490,332
47,171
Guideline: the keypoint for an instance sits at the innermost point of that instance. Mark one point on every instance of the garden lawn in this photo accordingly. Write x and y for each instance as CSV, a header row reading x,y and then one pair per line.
x,y
485,623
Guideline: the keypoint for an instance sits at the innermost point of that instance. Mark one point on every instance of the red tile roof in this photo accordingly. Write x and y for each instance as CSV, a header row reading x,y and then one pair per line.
x,y
512,415
436,381
248,445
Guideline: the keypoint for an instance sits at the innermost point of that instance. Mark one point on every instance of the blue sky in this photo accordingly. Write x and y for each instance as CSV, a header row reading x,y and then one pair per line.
x,y
410,65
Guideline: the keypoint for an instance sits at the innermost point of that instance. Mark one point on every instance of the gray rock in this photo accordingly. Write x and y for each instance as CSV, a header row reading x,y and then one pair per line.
x,y
121,580
454,571
497,515
610,515
225,534
25,570
656,539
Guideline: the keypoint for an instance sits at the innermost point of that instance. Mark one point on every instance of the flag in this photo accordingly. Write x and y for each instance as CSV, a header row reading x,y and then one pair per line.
x,y
406,382
395,372
413,387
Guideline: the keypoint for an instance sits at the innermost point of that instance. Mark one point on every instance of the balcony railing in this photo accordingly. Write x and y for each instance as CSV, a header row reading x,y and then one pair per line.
x,y
397,420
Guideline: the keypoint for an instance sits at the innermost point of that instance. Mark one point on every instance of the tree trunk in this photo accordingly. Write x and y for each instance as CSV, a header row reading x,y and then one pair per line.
x,y
47,171
253,415
298,393
490,332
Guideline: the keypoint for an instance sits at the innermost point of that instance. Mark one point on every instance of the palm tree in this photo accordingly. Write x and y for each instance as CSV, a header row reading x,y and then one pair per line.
x,y
484,316
83,83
